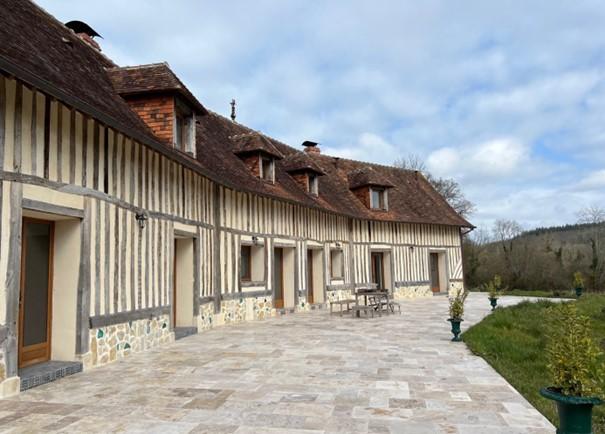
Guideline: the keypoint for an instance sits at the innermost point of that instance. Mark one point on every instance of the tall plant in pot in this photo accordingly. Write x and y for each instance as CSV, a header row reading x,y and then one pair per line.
x,y
576,368
456,313
493,289
578,283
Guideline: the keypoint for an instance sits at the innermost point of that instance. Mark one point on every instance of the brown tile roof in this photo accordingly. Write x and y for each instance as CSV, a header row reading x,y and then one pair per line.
x,y
412,199
248,143
301,162
366,176
152,78
39,50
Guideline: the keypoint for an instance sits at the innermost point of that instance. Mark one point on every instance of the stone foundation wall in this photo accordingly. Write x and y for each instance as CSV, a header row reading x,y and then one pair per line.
x,y
8,386
235,311
108,344
415,291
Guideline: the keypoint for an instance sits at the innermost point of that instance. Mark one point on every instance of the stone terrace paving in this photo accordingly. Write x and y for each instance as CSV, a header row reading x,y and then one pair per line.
x,y
304,373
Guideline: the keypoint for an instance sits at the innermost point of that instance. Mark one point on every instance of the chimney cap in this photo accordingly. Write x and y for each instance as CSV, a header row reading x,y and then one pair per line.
x,y
309,144
82,27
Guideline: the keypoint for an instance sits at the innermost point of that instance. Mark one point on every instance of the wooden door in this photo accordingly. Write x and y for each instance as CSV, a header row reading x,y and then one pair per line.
x,y
278,278
310,288
434,263
35,298
378,270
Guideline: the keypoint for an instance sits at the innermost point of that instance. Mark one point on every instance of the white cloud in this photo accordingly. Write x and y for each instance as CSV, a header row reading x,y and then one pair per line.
x,y
495,158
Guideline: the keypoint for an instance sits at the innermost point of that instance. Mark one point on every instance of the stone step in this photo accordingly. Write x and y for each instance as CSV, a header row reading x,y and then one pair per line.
x,y
46,372
182,332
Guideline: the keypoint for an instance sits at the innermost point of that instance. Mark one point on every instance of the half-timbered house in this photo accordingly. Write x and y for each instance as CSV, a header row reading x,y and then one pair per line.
x,y
130,212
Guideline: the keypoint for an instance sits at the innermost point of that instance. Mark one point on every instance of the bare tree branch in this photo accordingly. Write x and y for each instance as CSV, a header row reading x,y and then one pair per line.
x,y
447,187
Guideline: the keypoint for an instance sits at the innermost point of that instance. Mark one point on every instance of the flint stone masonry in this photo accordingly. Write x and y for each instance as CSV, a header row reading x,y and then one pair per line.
x,y
309,373
108,344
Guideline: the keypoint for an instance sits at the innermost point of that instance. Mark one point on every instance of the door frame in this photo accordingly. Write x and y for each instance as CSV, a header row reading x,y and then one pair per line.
x,y
373,269
281,275
310,277
442,270
20,348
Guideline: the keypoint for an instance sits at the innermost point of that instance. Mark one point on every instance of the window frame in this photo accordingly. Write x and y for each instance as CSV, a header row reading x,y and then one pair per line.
x,y
340,276
248,276
382,198
313,184
271,174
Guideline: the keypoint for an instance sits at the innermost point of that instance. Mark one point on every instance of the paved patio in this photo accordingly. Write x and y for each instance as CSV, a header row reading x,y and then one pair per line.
x,y
304,373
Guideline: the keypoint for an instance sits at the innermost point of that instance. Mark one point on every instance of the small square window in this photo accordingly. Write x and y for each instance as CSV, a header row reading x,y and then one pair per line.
x,y
313,184
267,169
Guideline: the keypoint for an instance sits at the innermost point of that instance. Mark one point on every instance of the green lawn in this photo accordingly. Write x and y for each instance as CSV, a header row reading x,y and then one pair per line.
x,y
513,340
544,294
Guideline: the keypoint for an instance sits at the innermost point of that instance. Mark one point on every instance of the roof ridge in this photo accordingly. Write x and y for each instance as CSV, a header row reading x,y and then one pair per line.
x,y
144,65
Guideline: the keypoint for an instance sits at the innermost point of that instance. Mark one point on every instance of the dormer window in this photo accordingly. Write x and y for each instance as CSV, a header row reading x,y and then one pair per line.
x,y
313,184
162,101
267,169
304,170
258,154
378,198
371,187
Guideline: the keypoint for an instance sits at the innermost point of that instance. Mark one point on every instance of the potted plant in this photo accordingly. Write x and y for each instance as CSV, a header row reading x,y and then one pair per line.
x,y
493,289
576,369
456,313
578,283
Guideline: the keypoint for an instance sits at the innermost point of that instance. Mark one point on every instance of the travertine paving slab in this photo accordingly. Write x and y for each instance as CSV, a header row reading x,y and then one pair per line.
x,y
307,373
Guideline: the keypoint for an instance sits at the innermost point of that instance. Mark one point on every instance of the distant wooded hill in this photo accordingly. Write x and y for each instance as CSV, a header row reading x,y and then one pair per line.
x,y
540,259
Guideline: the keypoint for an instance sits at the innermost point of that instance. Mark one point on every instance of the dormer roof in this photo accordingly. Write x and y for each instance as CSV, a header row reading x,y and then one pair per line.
x,y
155,78
249,143
367,176
299,162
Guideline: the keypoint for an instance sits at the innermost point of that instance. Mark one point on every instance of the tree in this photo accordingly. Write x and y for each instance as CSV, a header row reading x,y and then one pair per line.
x,y
505,232
447,187
593,214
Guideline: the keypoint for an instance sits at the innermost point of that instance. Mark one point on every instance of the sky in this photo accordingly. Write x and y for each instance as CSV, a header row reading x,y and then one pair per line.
x,y
507,98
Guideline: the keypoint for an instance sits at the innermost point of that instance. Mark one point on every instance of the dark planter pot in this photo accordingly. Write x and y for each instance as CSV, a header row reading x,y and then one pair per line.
x,y
579,292
494,302
456,328
575,412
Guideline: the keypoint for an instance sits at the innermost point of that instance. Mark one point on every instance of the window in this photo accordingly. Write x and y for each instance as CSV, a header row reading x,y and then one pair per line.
x,y
252,263
337,264
378,198
246,263
184,128
313,184
267,169
179,133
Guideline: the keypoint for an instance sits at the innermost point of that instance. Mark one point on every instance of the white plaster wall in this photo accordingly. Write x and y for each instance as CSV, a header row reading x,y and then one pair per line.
x,y
65,289
184,282
318,276
289,264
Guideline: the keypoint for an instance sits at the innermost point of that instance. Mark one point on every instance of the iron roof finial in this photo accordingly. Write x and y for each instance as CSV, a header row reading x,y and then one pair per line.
x,y
233,110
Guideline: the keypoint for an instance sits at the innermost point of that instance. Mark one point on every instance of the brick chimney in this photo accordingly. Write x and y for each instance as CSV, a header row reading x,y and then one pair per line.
x,y
84,32
311,147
